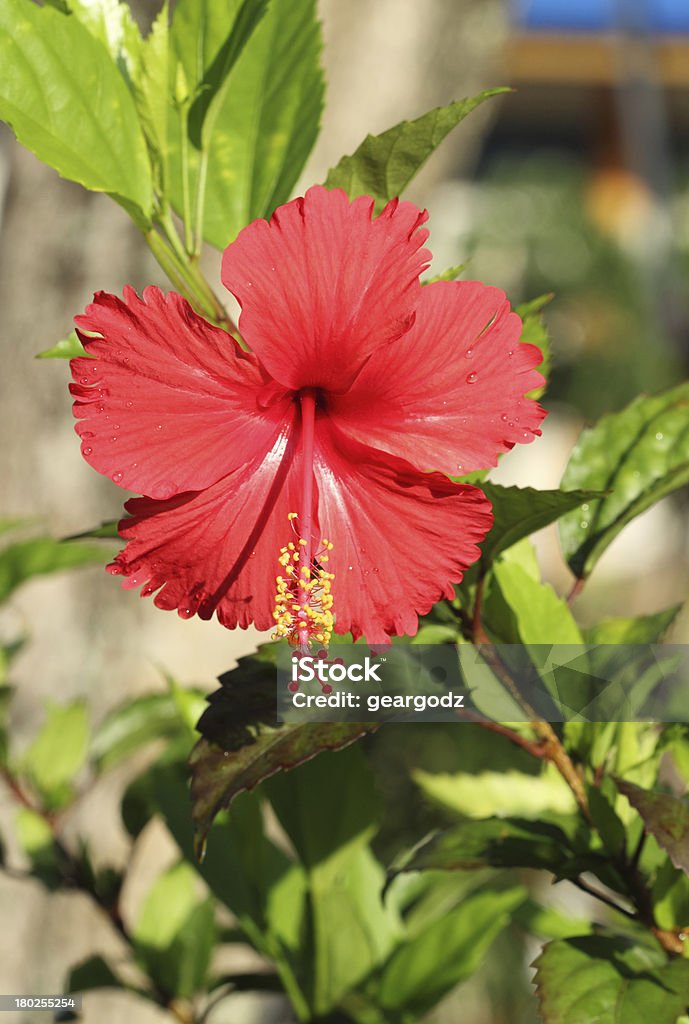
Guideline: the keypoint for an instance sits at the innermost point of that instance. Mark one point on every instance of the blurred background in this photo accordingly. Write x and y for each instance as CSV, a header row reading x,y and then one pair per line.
x,y
577,183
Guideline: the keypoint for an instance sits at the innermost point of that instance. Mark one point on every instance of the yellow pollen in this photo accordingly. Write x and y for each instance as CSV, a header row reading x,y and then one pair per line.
x,y
303,601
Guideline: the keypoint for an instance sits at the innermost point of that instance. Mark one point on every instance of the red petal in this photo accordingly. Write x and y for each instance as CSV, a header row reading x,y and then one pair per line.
x,y
170,403
322,285
400,538
452,395
217,548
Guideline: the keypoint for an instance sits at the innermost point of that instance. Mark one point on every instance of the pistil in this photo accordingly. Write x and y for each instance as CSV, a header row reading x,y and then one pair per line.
x,y
303,603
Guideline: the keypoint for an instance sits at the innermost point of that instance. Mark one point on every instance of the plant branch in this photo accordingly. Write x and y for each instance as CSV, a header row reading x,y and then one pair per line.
x,y
597,894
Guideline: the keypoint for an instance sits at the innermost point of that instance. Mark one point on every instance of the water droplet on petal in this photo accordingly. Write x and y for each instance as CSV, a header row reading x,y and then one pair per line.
x,y
84,380
87,450
86,433
129,405
100,408
472,378
350,567
526,436
159,426
504,417
116,477
147,590
186,613
469,353
114,437
510,354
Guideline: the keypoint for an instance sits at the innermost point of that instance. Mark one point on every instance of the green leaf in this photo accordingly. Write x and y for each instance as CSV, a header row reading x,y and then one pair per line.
x,y
150,87
112,24
68,348
601,801
520,511
214,84
104,531
59,751
268,119
67,102
492,793
353,930
522,610
535,332
383,165
665,817
451,274
609,980
133,725
260,885
670,895
243,744
5,701
645,629
422,970
638,455
95,972
317,825
491,842
175,932
36,840
549,922
20,561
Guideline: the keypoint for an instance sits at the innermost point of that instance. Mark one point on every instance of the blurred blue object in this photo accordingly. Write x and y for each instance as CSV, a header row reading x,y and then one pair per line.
x,y
667,17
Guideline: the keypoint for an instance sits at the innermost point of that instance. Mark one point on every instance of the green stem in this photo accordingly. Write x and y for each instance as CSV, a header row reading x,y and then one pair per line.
x,y
186,276
186,197
200,203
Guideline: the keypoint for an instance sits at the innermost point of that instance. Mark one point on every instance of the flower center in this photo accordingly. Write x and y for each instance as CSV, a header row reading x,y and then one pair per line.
x,y
303,602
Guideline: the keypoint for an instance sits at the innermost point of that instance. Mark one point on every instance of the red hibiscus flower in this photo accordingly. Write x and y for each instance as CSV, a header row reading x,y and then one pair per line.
x,y
333,438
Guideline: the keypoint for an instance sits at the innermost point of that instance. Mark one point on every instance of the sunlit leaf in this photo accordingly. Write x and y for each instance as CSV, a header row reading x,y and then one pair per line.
x,y
59,751
645,629
67,348
66,101
609,979
174,933
451,274
638,456
489,793
383,165
20,561
520,511
523,610
134,724
535,332
268,118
